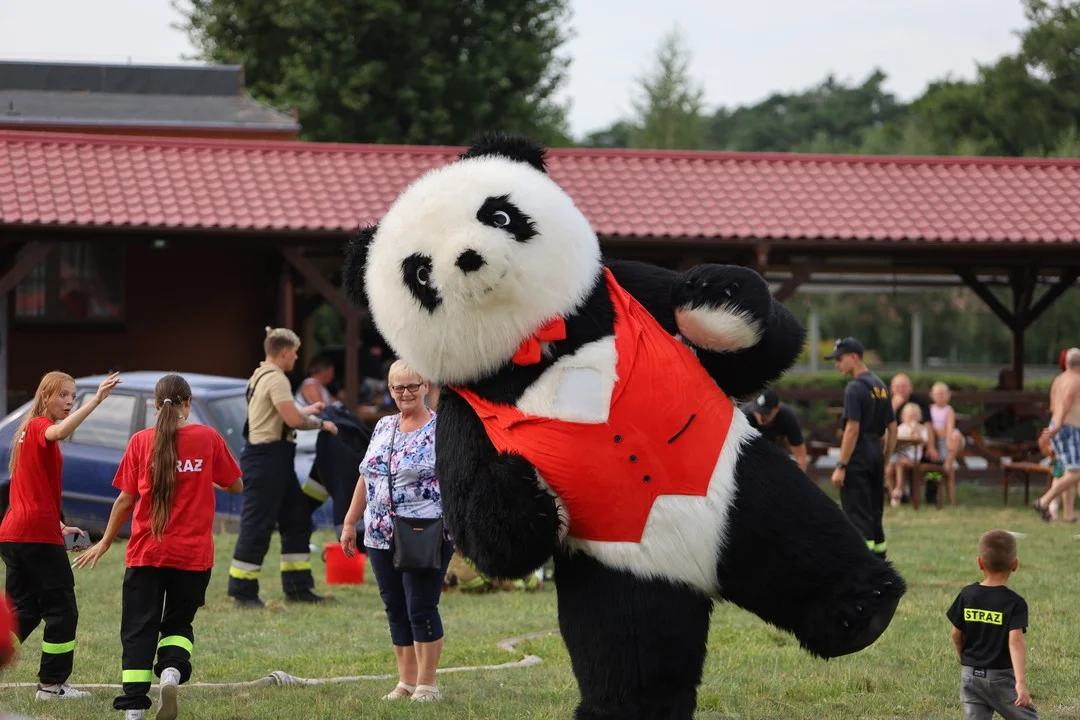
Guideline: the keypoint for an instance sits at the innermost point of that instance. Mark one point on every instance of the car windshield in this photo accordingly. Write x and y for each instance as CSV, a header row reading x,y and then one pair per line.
x,y
231,411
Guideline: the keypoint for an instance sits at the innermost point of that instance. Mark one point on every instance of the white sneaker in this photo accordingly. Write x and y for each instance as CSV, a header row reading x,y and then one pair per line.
x,y
134,715
59,692
170,688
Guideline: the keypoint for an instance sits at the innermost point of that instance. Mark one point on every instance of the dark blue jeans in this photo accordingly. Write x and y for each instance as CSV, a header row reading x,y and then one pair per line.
x,y
411,598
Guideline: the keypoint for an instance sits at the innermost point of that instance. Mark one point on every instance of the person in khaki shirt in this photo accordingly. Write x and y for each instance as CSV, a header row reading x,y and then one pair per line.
x,y
272,493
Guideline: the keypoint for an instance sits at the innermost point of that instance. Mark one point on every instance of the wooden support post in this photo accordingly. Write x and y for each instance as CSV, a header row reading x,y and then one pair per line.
x,y
335,297
798,277
352,360
287,307
761,257
1065,281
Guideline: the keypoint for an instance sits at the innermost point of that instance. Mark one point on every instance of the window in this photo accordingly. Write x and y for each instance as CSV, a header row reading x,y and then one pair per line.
x,y
77,282
150,416
231,412
109,426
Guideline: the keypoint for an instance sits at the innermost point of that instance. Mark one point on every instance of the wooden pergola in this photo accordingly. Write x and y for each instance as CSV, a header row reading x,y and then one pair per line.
x,y
983,222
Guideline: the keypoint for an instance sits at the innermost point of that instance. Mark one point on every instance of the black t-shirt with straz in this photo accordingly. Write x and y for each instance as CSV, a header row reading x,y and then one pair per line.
x,y
867,401
986,615
784,425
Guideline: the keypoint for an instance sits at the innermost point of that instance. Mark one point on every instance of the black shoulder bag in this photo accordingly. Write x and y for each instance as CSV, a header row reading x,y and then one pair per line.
x,y
416,543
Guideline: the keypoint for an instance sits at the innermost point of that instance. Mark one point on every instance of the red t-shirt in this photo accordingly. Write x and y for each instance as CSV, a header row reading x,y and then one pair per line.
x,y
34,513
188,541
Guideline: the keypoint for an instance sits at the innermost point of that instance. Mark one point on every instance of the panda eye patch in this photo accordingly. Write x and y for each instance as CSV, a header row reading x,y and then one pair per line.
x,y
499,212
416,274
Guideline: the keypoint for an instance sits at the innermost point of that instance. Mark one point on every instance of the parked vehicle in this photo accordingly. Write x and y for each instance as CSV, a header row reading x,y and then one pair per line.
x,y
92,453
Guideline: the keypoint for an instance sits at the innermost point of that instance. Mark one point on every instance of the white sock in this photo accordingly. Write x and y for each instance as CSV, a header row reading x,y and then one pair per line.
x,y
170,676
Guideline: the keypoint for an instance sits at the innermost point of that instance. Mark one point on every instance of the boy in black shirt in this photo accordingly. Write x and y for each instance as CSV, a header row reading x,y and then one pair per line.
x,y
989,621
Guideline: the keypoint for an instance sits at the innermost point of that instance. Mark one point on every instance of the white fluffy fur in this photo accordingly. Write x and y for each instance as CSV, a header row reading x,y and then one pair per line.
x,y
577,387
486,314
718,329
684,535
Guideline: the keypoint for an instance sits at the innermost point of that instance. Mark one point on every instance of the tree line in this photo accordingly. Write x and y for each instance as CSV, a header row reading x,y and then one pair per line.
x,y
436,71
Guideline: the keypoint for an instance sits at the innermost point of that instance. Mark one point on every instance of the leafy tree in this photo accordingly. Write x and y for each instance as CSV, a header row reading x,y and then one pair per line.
x,y
668,109
830,117
380,71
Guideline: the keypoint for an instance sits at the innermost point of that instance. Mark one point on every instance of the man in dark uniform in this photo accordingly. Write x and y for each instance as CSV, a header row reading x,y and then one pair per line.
x,y
868,416
777,422
272,493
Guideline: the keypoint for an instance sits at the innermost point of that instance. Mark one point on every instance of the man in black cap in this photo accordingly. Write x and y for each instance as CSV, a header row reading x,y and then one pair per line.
x,y
777,422
868,416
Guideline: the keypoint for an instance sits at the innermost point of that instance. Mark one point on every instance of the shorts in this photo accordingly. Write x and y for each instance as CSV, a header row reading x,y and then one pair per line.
x,y
1066,446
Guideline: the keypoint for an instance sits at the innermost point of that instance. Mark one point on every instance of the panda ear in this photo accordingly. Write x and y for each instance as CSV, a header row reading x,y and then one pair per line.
x,y
514,147
352,271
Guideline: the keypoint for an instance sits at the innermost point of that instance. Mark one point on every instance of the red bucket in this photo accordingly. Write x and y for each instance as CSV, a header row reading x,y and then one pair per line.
x,y
342,569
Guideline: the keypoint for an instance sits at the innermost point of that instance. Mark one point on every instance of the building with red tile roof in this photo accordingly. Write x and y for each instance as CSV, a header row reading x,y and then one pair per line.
x,y
145,240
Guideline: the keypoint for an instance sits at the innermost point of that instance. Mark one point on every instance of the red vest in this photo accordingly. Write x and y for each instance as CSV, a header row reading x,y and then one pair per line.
x,y
666,427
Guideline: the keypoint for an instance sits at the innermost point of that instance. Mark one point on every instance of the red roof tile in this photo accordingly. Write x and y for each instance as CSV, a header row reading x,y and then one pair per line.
x,y
89,180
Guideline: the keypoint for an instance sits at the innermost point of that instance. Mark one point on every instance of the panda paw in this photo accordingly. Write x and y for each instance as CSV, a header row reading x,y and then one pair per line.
x,y
721,308
856,616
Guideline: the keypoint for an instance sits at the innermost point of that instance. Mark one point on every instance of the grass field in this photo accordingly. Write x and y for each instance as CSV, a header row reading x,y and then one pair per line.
x,y
753,671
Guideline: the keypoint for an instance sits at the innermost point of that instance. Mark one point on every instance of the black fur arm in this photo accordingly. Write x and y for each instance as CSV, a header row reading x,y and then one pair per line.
x,y
744,338
497,513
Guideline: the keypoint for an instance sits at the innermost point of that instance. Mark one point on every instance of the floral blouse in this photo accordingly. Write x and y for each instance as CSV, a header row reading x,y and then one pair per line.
x,y
416,488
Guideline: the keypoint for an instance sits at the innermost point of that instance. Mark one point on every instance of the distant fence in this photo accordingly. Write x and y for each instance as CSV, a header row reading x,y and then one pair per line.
x,y
988,371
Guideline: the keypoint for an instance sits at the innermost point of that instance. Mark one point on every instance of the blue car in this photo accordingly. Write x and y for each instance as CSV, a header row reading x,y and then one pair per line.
x,y
92,453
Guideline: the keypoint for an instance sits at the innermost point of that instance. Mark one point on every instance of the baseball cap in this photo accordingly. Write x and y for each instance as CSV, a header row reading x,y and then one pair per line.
x,y
845,345
766,401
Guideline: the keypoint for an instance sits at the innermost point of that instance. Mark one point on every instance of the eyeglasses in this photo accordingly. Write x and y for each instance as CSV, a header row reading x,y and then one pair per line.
x,y
411,387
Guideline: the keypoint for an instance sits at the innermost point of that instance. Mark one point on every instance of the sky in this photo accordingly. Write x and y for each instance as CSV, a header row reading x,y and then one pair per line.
x,y
741,52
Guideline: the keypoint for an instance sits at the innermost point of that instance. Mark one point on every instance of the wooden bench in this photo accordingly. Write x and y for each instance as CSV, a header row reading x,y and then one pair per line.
x,y
1026,469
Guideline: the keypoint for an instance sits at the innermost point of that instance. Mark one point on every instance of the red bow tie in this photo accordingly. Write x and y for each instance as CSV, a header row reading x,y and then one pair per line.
x,y
528,353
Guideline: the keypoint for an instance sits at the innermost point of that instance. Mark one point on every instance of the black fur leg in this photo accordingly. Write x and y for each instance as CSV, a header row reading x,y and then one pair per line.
x,y
499,516
637,647
786,533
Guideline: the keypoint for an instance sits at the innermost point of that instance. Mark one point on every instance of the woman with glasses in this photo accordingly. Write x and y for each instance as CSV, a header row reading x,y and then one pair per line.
x,y
402,453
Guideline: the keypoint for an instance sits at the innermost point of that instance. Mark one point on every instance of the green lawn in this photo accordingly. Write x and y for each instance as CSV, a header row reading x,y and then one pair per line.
x,y
752,671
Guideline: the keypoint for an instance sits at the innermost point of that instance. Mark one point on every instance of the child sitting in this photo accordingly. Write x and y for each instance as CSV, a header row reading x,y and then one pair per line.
x,y
949,440
989,621
911,429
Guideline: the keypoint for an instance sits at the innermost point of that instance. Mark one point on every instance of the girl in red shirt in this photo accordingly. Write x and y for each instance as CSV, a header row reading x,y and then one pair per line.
x,y
168,475
39,579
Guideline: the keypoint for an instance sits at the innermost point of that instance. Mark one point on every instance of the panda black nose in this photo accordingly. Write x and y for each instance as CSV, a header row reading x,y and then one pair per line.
x,y
470,261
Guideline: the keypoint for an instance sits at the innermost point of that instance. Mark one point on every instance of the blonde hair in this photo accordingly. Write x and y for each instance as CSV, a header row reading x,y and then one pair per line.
x,y
278,339
50,386
1072,358
398,368
939,386
908,407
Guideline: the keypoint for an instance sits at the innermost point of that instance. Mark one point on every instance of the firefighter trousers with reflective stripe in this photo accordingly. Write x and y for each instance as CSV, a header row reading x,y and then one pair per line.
x,y
863,498
159,607
42,588
272,497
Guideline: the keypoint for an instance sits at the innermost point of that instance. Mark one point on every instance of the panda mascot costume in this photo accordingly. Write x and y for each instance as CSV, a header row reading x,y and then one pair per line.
x,y
588,414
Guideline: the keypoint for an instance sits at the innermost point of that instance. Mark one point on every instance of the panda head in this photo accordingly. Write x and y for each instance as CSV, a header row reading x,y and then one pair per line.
x,y
471,259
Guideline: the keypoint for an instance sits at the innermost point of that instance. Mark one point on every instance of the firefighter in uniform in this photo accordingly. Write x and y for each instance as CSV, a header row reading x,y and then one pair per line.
x,y
272,493
868,417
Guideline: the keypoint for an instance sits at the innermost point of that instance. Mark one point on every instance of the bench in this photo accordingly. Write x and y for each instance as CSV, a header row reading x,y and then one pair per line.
x,y
1026,469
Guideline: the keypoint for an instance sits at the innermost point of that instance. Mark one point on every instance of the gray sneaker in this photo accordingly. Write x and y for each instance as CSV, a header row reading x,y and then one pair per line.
x,y
59,692
170,688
